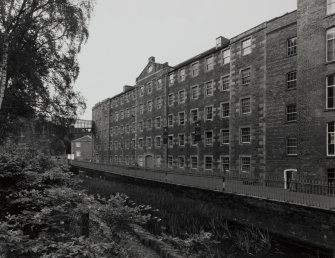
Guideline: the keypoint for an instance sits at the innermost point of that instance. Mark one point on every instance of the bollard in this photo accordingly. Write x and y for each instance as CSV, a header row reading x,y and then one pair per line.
x,y
85,224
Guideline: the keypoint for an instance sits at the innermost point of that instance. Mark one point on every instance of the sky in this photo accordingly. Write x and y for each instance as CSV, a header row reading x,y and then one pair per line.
x,y
125,33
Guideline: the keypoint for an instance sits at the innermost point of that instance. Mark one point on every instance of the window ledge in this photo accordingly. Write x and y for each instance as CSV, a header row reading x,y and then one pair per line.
x,y
329,110
330,157
330,62
290,122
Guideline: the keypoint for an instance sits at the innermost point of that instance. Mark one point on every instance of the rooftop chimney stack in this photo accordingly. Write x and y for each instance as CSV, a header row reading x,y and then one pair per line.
x,y
151,59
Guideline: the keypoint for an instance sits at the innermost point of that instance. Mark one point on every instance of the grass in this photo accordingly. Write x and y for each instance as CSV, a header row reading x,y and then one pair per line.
x,y
184,217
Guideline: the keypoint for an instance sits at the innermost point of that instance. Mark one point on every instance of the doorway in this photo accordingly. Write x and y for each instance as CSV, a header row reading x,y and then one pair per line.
x,y
149,161
289,176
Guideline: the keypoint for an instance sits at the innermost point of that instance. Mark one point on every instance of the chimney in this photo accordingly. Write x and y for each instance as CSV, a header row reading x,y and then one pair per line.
x,y
127,88
221,42
151,59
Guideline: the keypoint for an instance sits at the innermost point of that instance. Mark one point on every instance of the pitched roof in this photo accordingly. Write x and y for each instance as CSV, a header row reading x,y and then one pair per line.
x,y
86,138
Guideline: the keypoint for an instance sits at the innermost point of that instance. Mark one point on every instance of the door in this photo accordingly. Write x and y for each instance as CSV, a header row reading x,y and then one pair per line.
x,y
149,161
289,176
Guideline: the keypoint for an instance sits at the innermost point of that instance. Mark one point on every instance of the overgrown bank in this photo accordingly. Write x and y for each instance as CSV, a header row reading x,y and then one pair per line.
x,y
193,225
41,210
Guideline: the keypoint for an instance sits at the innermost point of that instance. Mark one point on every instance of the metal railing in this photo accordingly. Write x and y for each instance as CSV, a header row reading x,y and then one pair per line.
x,y
300,191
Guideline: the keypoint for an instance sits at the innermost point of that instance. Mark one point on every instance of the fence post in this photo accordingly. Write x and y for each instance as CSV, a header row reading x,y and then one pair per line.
x,y
85,224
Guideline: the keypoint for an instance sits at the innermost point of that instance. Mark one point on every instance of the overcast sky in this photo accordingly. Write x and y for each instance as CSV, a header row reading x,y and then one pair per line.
x,y
125,33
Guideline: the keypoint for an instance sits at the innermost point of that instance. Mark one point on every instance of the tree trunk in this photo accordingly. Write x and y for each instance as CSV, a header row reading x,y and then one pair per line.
x,y
3,70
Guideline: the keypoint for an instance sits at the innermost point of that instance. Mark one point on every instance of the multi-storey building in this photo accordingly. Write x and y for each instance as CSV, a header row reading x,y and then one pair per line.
x,y
264,101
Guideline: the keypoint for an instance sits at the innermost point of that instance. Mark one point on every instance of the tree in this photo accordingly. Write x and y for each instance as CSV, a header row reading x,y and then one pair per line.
x,y
39,44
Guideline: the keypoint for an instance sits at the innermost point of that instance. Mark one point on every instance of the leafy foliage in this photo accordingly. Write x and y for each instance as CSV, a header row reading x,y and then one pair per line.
x,y
39,44
41,205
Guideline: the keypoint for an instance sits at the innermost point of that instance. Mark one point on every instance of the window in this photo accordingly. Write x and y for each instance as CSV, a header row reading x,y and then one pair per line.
x,y
245,135
245,106
140,125
158,142
224,136
245,76
331,91
149,124
291,113
141,91
194,162
149,142
121,115
158,160
291,80
141,109
140,142
149,87
246,47
127,113
224,163
209,88
330,7
226,56
331,44
209,63
181,117
158,122
159,84
116,145
149,104
331,139
193,141
150,68
133,143
291,146
208,162
121,100
140,161
170,161
171,79
225,110
292,46
170,120
331,177
159,103
182,74
195,69
245,163
78,144
194,115
127,144
78,153
225,86
181,162
181,96
181,139
170,141
195,92
171,99
209,113
209,138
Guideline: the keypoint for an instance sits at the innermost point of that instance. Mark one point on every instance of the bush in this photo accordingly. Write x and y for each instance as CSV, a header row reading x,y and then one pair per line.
x,y
41,207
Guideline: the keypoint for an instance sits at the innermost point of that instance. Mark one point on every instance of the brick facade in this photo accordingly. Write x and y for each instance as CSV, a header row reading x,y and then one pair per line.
x,y
260,98
81,148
